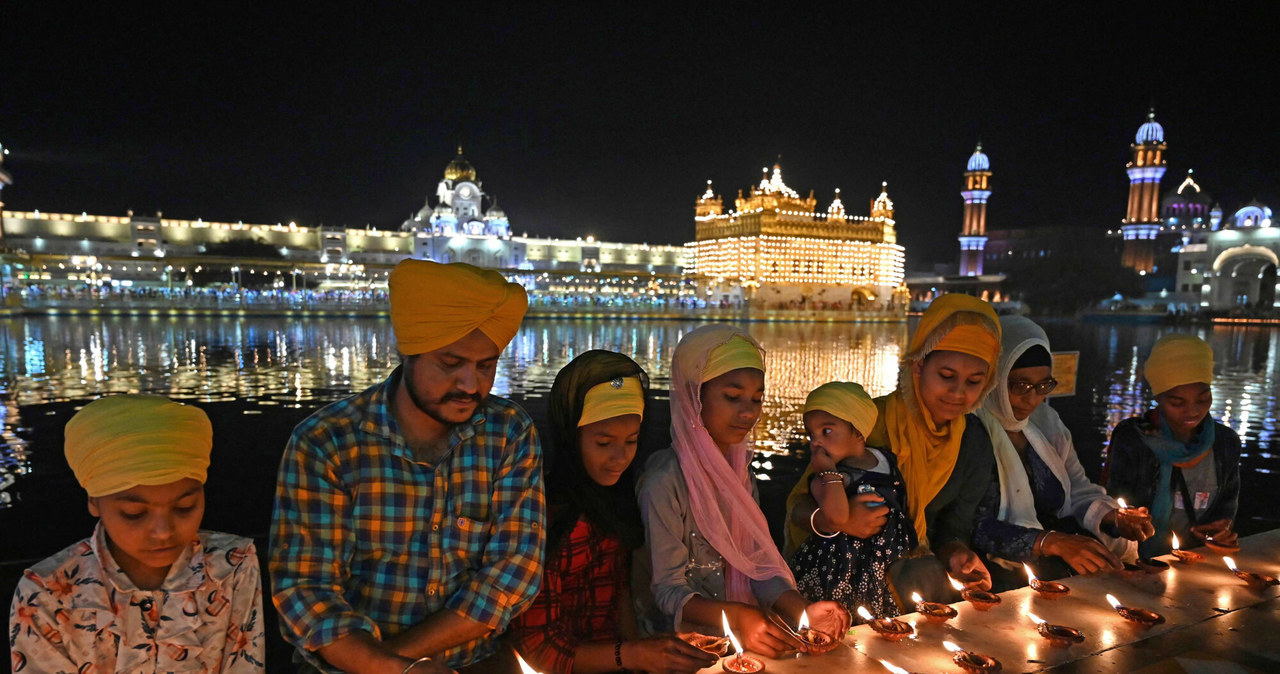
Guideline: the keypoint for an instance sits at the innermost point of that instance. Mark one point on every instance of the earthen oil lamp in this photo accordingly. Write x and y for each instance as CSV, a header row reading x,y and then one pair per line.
x,y
932,611
1152,565
1057,635
739,663
1185,556
970,661
1138,616
1047,588
1256,580
717,646
1221,548
888,628
1131,514
524,666
817,641
979,599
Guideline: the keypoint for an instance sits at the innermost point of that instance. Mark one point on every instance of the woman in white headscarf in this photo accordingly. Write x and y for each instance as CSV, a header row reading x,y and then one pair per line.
x,y
1047,512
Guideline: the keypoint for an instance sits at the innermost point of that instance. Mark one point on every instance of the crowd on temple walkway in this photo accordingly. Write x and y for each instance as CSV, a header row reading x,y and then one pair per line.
x,y
425,525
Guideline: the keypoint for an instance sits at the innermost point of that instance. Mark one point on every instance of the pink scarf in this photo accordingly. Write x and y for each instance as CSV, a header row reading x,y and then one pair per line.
x,y
719,484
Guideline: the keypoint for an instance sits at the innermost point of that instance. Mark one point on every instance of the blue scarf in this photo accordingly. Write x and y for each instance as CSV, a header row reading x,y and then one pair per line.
x,y
1169,451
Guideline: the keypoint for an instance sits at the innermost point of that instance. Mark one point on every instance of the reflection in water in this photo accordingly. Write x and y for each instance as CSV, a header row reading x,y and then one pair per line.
x,y
264,362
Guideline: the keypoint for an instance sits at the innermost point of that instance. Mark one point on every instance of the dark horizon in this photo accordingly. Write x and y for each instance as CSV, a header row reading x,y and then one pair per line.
x,y
610,124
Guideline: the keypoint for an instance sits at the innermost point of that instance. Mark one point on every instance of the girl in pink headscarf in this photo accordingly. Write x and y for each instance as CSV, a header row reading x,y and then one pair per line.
x,y
709,543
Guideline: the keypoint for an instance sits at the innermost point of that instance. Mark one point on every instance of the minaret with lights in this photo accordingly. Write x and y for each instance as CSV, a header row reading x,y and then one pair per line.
x,y
1142,221
973,234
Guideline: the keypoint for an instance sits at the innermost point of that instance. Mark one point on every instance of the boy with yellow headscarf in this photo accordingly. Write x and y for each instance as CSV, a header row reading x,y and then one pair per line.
x,y
1175,460
155,591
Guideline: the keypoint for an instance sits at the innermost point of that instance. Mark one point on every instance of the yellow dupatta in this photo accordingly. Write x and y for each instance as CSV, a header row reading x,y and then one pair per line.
x,y
926,453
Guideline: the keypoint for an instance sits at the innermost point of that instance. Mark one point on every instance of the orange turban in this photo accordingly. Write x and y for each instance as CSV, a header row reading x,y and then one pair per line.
x,y
434,305
122,441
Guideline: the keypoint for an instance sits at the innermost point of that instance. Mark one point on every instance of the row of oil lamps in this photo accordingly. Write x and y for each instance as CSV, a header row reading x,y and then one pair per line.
x,y
893,629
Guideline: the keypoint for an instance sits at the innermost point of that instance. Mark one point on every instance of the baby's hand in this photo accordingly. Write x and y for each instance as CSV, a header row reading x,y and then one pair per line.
x,y
820,460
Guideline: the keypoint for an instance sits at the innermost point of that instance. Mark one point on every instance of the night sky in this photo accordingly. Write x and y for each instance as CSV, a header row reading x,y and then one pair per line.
x,y
592,121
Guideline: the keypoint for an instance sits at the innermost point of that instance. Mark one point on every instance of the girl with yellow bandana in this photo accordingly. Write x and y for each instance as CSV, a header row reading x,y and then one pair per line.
x,y
944,454
148,591
583,619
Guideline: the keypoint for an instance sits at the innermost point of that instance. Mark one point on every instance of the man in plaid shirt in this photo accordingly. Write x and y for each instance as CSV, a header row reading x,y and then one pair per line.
x,y
408,523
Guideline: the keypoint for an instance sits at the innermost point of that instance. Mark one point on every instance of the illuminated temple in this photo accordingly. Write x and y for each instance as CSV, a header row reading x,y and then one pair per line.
x,y
776,250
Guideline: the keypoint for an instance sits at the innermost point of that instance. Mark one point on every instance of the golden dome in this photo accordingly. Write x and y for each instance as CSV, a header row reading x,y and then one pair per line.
x,y
459,168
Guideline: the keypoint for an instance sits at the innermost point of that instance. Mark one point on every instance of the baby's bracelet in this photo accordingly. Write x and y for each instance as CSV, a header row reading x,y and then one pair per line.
x,y
838,476
813,525
415,663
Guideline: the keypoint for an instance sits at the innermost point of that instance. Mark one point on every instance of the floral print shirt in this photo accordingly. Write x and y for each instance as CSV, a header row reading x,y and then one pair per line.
x,y
77,611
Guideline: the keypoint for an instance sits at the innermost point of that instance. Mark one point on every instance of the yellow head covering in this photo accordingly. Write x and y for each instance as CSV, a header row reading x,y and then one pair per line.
x,y
122,441
434,305
734,354
613,398
973,340
1176,360
927,452
844,400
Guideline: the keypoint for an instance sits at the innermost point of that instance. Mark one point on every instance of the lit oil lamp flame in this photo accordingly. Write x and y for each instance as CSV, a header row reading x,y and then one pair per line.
x,y
952,647
915,597
1175,542
1035,618
1231,563
956,584
724,620
893,668
804,621
1123,505
1111,599
1031,577
524,666
865,614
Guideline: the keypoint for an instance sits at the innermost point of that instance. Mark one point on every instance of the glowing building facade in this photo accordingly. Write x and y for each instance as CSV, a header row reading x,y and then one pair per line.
x,y
463,224
1229,263
777,250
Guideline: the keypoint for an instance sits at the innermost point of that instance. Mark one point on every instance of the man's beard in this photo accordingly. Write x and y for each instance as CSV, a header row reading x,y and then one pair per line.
x,y
435,409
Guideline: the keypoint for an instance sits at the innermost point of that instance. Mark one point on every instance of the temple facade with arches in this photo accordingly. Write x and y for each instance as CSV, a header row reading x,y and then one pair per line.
x,y
1196,256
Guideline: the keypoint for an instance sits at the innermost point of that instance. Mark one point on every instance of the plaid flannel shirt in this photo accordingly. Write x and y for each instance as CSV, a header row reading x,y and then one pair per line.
x,y
368,537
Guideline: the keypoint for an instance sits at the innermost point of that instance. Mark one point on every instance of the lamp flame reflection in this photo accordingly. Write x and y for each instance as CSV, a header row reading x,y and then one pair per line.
x,y
893,668
524,666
